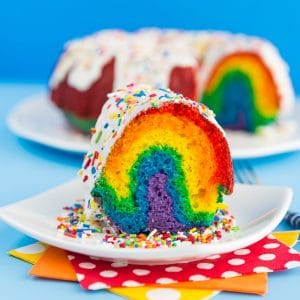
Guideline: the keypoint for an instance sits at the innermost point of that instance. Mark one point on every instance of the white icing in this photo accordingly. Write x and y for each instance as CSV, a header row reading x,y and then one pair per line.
x,y
120,108
146,56
149,55
83,59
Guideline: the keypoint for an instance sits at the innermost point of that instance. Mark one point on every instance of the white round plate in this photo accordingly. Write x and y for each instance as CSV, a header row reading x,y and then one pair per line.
x,y
38,120
258,210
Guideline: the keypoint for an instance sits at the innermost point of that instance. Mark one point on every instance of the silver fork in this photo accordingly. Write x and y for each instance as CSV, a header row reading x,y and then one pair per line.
x,y
244,173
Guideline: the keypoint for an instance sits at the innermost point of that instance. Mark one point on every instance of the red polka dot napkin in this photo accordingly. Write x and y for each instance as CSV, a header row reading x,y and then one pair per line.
x,y
267,255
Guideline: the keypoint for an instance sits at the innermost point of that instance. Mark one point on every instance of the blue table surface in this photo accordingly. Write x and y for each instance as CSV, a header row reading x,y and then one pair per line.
x,y
28,168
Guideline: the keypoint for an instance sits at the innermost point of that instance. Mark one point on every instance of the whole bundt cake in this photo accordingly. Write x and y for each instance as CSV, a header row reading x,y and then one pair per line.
x,y
243,79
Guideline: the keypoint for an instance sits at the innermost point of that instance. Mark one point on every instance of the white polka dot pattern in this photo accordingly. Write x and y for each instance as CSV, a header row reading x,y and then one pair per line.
x,y
257,258
205,266
98,285
119,264
236,261
87,265
242,252
173,269
198,277
271,245
108,274
229,274
267,256
131,283
141,272
165,280
292,264
262,270
80,276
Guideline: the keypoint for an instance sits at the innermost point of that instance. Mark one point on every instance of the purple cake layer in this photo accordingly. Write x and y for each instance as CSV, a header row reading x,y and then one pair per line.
x,y
161,215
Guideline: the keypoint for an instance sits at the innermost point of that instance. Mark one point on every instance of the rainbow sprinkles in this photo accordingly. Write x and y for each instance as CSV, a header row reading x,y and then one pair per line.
x,y
73,223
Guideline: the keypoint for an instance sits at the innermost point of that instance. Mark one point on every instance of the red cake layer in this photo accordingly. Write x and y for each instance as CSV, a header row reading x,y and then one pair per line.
x,y
88,104
183,80
224,173
85,104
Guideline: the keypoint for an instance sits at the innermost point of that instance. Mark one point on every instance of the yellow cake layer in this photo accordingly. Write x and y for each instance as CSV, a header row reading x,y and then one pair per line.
x,y
179,133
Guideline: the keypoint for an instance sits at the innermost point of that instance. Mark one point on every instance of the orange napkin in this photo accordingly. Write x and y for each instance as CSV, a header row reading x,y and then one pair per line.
x,y
54,264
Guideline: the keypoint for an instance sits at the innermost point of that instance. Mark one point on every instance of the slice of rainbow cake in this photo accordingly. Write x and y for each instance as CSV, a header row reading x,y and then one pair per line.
x,y
158,161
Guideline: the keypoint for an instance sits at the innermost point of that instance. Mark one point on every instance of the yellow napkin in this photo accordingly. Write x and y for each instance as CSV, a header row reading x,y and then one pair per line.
x,y
30,253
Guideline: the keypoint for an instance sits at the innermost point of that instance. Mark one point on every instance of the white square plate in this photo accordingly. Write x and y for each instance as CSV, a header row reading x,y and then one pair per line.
x,y
258,210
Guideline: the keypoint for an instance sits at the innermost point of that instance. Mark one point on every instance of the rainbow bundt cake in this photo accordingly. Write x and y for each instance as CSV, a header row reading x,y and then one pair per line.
x,y
158,161
243,79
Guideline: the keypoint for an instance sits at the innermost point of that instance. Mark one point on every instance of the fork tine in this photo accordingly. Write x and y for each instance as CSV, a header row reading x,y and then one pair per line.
x,y
244,173
237,172
248,178
240,173
252,173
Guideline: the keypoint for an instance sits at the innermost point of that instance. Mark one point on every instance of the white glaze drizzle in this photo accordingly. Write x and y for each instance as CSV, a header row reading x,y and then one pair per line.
x,y
149,55
146,56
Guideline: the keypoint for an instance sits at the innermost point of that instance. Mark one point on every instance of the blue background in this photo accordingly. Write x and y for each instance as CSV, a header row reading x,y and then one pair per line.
x,y
32,32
